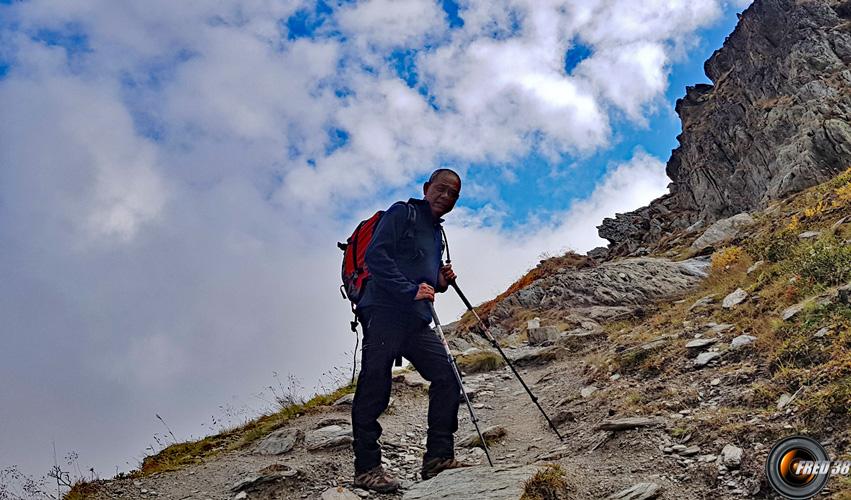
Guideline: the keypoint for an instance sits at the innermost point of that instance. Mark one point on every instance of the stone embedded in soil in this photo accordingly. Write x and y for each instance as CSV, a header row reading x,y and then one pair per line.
x,y
493,483
267,475
843,293
784,400
822,332
279,442
562,417
755,266
731,456
538,356
690,451
742,340
328,421
560,452
588,391
734,298
579,339
702,302
806,235
328,437
655,344
716,329
791,311
640,491
704,358
491,434
623,424
695,346
338,493
345,400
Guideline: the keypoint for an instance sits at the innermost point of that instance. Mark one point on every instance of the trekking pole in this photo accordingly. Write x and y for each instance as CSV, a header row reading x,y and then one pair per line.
x,y
495,344
458,378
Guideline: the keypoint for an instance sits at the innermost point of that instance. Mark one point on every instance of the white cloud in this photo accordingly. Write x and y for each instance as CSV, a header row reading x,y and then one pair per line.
x,y
391,23
86,167
642,76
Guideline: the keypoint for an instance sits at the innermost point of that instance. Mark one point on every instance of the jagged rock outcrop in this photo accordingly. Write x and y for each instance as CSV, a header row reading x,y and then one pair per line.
x,y
774,121
606,292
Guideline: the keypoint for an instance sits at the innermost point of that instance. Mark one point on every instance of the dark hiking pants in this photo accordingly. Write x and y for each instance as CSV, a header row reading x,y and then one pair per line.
x,y
388,334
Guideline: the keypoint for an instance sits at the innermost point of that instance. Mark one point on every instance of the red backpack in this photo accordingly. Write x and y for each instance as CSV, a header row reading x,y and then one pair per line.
x,y
355,270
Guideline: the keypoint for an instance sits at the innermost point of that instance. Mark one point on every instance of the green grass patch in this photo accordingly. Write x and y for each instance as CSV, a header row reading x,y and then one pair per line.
x,y
180,455
680,432
825,262
829,405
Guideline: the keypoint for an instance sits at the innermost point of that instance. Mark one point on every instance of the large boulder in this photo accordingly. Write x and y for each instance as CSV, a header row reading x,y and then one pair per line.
x,y
493,483
611,291
723,230
542,334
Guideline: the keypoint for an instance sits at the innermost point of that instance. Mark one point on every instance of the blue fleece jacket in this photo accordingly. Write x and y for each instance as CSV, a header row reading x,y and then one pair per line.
x,y
400,257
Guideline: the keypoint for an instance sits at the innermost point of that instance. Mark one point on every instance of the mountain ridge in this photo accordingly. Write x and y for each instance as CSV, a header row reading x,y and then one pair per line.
x,y
774,121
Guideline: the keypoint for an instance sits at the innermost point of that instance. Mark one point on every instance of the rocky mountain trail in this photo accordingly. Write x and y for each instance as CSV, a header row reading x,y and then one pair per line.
x,y
608,451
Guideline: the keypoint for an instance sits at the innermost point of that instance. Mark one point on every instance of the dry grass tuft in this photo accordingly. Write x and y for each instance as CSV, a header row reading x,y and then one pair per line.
x,y
482,361
726,257
549,483
82,490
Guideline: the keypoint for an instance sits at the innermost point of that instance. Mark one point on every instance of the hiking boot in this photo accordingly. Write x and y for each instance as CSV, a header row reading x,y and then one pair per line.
x,y
435,466
377,479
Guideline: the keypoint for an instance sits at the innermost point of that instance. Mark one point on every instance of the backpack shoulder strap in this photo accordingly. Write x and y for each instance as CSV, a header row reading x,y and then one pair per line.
x,y
412,215
445,244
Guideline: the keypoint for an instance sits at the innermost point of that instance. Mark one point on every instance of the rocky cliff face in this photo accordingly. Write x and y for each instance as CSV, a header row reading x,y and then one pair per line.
x,y
774,121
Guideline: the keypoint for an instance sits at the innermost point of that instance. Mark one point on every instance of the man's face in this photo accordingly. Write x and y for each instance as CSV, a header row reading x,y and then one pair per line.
x,y
442,193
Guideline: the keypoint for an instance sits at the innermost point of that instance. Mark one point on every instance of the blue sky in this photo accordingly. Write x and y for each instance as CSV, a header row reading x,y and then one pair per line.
x,y
174,177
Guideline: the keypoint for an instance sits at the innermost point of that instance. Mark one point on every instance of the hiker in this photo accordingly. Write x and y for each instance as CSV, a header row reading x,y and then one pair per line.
x,y
406,271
